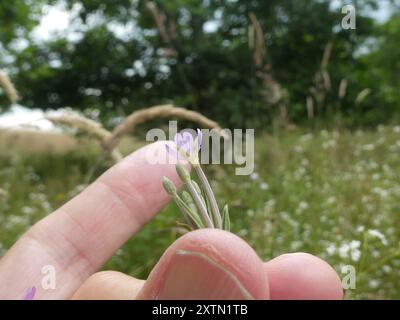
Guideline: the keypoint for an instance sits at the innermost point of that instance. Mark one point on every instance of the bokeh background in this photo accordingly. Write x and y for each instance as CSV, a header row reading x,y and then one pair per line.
x,y
324,103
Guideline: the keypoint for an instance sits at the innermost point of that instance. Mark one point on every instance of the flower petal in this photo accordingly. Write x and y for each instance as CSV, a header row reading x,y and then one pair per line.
x,y
30,294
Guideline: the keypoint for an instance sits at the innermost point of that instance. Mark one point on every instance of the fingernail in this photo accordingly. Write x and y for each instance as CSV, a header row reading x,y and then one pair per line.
x,y
192,275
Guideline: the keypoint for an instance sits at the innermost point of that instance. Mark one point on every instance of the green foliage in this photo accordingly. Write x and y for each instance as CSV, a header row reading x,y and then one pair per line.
x,y
18,17
334,194
198,57
380,71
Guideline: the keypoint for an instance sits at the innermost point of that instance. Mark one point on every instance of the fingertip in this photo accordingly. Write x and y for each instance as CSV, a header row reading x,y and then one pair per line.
x,y
208,264
298,276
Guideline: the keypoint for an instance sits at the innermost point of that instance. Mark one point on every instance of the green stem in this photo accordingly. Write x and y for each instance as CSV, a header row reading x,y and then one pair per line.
x,y
200,205
210,196
363,252
189,215
382,261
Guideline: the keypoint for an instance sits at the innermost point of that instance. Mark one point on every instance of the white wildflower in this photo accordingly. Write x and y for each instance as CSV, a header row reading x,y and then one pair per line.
x,y
376,176
329,144
379,235
254,176
306,137
250,212
344,250
360,228
331,249
270,203
303,206
324,133
264,186
368,147
296,245
28,210
331,200
386,268
373,283
381,192
359,133
355,251
298,149
305,162
381,128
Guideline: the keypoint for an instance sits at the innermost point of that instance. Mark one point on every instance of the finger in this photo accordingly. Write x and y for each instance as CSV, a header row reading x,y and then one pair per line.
x,y
109,285
207,264
80,236
302,276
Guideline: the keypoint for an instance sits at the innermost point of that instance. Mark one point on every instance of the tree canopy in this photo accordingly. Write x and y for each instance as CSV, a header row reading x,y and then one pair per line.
x,y
237,61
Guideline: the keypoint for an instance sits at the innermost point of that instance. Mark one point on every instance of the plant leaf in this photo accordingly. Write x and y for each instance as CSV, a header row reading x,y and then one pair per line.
x,y
192,218
187,198
226,222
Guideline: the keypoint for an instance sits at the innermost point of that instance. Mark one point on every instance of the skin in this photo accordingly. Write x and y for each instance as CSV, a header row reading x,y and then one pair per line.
x,y
78,238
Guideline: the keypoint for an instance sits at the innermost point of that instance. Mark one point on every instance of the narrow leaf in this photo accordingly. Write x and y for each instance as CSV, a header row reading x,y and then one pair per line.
x,y
201,194
200,204
187,198
192,217
209,195
226,222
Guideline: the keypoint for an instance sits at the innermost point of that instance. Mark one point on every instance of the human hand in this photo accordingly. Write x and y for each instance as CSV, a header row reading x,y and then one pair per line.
x,y
78,238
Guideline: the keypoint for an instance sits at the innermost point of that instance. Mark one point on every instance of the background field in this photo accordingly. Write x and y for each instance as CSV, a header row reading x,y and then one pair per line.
x,y
334,194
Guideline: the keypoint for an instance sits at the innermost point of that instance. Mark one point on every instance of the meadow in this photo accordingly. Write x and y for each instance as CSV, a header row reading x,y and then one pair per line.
x,y
332,193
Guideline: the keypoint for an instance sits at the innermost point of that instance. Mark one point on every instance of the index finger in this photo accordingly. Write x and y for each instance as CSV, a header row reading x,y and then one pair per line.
x,y
80,236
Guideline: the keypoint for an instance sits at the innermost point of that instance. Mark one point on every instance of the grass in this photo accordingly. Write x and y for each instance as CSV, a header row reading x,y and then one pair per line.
x,y
334,194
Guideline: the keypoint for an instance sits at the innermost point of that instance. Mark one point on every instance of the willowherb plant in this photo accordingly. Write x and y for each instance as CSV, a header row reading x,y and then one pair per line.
x,y
197,201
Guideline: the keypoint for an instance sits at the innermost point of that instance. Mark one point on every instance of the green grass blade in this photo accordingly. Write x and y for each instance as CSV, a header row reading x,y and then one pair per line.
x,y
226,222
192,217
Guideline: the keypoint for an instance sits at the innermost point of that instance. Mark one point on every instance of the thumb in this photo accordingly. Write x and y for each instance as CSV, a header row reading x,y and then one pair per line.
x,y
207,264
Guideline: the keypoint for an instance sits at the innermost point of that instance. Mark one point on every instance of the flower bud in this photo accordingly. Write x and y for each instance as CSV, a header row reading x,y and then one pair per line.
x,y
183,173
169,186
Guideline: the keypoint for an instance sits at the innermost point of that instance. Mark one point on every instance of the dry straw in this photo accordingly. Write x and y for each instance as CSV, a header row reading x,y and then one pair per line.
x,y
86,125
362,95
8,87
256,40
272,91
322,81
310,107
110,140
342,88
162,111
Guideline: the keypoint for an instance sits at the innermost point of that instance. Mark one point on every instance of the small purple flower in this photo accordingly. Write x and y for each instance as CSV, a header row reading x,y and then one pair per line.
x,y
30,294
184,142
187,146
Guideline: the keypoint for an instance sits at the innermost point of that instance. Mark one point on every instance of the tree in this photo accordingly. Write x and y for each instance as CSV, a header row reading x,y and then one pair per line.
x,y
194,53
380,71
